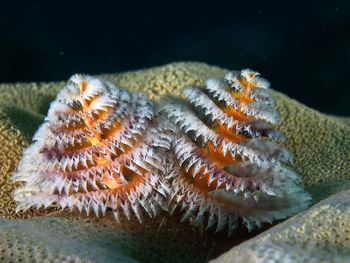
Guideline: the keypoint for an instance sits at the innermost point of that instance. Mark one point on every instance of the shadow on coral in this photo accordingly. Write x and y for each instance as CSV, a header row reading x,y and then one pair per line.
x,y
24,120
156,240
44,104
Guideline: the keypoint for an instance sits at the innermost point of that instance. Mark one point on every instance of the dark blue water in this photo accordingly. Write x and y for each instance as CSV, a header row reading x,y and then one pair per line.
x,y
302,47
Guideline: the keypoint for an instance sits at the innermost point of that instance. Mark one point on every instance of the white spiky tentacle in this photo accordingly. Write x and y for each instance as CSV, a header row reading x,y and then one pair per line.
x,y
208,209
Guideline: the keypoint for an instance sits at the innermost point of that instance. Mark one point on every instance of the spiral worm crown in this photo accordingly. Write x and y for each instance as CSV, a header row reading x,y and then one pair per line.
x,y
225,171
93,153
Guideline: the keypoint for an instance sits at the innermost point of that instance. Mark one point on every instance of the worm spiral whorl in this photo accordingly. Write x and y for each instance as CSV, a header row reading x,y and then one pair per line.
x,y
226,170
96,151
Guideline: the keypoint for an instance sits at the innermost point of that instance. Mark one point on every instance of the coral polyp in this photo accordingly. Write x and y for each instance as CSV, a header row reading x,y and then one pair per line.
x,y
93,154
226,170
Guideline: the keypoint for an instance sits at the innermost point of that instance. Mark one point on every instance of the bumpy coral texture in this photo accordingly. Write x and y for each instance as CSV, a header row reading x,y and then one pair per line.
x,y
93,153
320,144
321,234
224,171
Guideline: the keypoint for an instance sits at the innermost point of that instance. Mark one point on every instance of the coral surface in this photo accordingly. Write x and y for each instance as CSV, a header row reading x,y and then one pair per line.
x,y
320,144
321,234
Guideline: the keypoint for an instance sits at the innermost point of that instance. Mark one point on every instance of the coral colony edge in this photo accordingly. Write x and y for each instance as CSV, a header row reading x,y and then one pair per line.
x,y
208,156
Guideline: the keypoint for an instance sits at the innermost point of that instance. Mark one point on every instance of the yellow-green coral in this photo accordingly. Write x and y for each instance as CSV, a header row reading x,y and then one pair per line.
x,y
320,143
321,234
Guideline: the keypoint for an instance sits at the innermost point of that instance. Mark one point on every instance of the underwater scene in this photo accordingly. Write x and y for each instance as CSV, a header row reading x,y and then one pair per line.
x,y
175,132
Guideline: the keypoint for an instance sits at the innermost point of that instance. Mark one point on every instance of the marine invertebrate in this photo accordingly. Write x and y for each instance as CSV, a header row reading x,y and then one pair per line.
x,y
224,171
93,153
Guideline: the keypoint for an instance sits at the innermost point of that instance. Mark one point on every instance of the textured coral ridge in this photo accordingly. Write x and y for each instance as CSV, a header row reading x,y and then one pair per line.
x,y
320,234
226,171
93,153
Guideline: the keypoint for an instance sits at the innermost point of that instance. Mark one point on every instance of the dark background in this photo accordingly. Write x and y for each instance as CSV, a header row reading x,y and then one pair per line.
x,y
302,47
